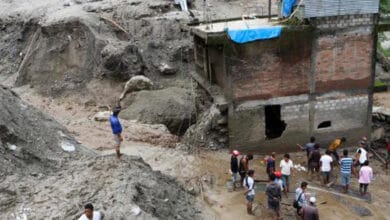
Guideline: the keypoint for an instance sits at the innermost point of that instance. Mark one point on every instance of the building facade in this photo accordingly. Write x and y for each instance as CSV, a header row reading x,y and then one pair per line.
x,y
315,79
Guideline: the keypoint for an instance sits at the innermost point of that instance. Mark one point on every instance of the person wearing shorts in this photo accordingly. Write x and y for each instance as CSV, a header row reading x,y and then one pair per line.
x,y
346,169
116,130
234,167
326,166
249,184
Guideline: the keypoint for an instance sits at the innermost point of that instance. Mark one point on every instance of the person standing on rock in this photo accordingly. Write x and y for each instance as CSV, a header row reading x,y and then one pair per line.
x,y
116,130
234,167
249,184
244,167
286,166
90,214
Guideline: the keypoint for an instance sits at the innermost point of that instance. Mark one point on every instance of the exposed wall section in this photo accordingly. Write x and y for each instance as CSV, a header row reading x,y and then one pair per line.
x,y
343,60
272,68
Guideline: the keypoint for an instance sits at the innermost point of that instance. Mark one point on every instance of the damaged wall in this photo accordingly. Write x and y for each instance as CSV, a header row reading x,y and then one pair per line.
x,y
313,80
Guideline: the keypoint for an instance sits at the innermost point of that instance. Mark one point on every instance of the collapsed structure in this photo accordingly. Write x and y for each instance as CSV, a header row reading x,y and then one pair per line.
x,y
285,83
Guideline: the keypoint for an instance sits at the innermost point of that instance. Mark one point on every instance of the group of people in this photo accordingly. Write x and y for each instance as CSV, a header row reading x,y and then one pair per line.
x,y
325,163
279,179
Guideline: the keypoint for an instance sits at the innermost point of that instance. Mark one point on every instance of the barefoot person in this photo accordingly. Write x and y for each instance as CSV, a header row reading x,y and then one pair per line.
x,y
116,130
249,184
244,166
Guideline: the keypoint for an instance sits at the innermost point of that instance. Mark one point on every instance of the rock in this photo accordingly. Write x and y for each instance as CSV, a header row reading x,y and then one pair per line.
x,y
222,121
102,116
90,103
122,61
166,69
157,134
173,107
378,134
205,132
136,83
160,6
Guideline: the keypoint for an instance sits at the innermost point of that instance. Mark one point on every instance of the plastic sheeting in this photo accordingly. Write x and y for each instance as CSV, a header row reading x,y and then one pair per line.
x,y
253,34
287,7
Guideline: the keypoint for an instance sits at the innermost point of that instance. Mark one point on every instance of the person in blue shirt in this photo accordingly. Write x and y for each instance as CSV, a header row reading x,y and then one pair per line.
x,y
346,169
116,130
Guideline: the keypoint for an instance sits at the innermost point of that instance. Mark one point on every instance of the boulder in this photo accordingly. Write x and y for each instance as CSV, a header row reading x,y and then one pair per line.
x,y
102,116
173,107
136,83
122,61
166,69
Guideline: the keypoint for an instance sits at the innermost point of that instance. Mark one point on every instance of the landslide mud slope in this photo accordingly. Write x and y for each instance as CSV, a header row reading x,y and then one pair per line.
x,y
45,174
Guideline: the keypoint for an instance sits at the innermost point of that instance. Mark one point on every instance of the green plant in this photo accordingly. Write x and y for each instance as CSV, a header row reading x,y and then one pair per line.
x,y
379,83
385,6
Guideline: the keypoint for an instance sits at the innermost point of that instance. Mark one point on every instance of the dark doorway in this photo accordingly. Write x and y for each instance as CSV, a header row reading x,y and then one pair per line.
x,y
274,126
324,124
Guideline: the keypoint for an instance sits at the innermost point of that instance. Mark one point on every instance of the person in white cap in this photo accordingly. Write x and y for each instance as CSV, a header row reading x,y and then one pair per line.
x,y
234,167
310,212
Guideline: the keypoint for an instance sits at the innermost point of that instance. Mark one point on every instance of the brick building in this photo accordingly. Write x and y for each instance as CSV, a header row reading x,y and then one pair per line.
x,y
314,79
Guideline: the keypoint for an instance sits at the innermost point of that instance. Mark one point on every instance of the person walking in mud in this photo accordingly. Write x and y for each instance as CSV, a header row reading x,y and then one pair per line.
x,y
346,169
249,184
314,161
234,167
274,194
310,212
270,163
308,147
116,130
244,166
365,177
326,166
286,166
336,143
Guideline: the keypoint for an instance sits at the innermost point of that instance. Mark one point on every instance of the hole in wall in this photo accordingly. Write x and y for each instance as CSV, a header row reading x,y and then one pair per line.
x,y
324,124
274,126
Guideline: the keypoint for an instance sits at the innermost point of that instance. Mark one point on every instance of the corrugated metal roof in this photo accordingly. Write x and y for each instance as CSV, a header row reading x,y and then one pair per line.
x,y
322,8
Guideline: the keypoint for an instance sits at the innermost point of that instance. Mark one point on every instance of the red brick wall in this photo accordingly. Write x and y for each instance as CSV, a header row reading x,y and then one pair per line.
x,y
272,68
343,61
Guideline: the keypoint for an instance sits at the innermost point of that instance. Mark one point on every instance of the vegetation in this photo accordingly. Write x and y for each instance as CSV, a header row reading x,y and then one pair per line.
x,y
379,83
385,6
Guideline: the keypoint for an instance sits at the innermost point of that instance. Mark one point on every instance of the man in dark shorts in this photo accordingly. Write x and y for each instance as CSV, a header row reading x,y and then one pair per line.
x,y
116,130
274,195
270,163
249,183
314,160
244,166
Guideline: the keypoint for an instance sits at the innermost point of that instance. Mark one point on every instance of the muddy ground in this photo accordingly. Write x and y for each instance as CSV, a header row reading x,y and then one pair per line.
x,y
205,173
71,59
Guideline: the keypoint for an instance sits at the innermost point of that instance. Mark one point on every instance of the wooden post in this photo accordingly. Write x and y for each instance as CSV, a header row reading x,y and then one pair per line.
x,y
269,10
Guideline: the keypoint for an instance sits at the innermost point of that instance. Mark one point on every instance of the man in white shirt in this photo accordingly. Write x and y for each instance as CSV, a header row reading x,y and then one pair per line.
x,y
286,166
249,184
361,153
89,214
326,165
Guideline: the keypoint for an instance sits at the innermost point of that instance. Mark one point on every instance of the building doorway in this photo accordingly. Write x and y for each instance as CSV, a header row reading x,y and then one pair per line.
x,y
274,126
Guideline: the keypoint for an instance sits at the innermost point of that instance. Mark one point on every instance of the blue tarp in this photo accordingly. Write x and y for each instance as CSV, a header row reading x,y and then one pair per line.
x,y
253,34
287,7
